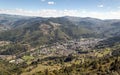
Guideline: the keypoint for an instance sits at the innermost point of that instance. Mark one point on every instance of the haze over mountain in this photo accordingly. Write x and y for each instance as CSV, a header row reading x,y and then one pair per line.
x,y
102,9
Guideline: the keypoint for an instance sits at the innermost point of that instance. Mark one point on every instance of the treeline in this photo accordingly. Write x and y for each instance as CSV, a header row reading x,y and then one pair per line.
x,y
13,49
100,66
107,66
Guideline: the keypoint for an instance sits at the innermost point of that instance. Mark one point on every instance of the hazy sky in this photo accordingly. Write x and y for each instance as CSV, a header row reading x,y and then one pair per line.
x,y
104,9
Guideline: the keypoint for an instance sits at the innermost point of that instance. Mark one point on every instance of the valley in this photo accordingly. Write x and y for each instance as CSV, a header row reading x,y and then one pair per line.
x,y
59,46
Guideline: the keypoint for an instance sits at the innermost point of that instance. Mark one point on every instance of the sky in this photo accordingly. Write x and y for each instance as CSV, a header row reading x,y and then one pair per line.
x,y
103,9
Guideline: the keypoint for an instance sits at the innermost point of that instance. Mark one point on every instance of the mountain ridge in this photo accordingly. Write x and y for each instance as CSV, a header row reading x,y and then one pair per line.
x,y
28,28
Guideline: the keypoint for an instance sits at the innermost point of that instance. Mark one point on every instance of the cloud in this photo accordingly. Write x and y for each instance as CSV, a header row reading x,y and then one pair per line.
x,y
51,3
100,6
43,0
59,13
119,7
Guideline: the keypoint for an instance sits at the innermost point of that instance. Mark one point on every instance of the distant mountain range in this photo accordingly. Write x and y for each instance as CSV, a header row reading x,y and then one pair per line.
x,y
38,30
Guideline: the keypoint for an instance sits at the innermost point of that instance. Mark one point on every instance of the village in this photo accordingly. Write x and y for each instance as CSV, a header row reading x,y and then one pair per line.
x,y
70,47
82,46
